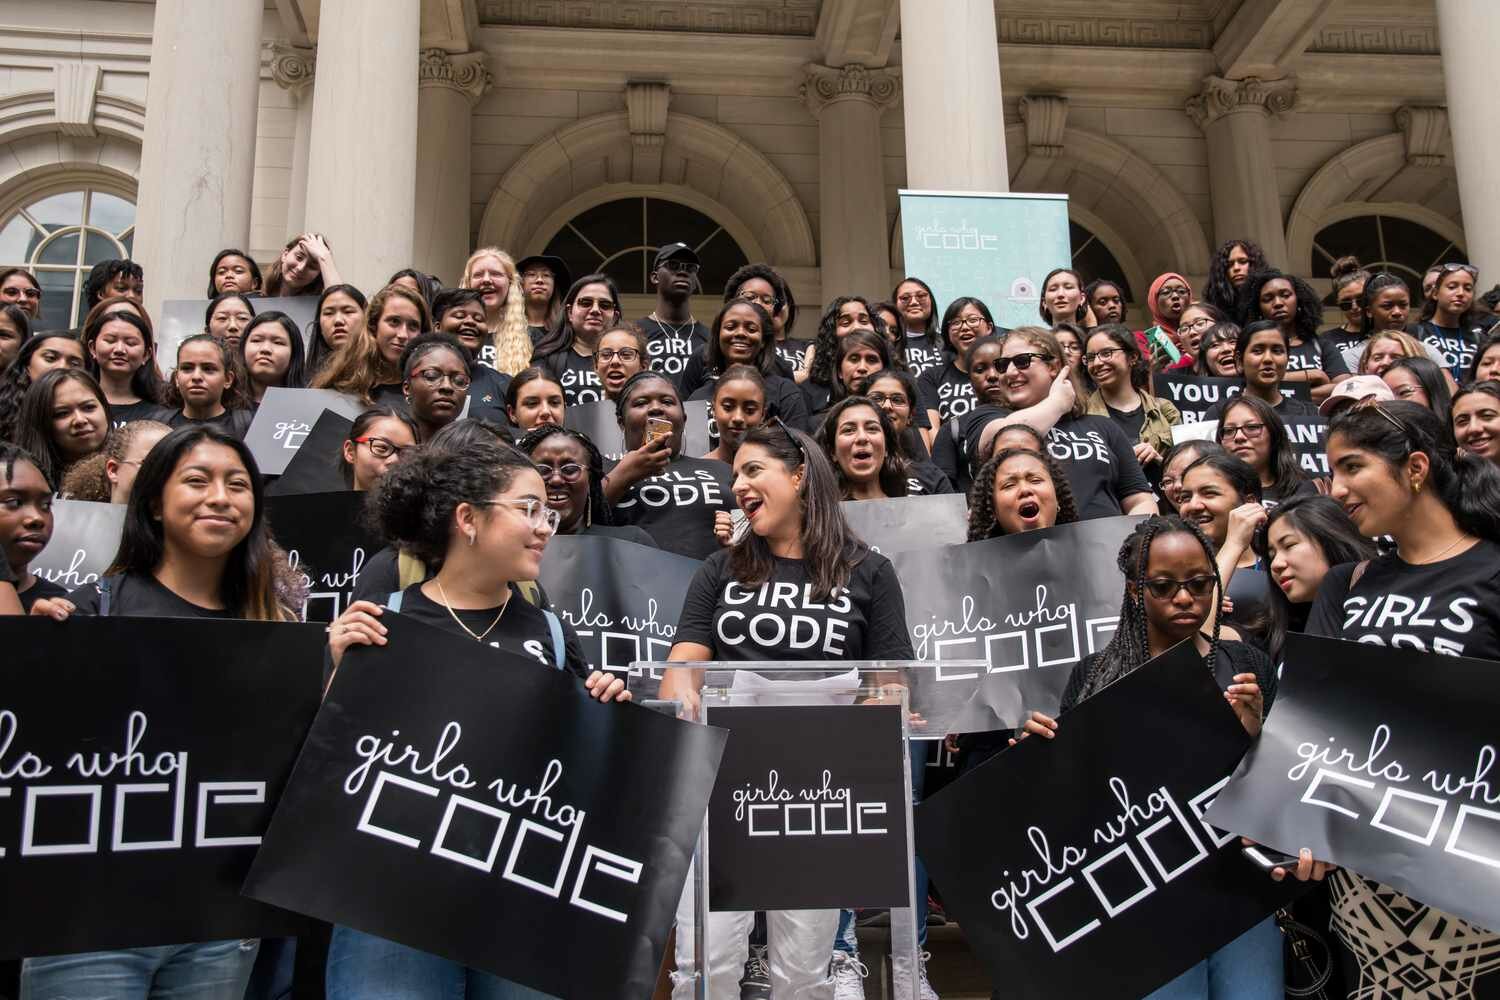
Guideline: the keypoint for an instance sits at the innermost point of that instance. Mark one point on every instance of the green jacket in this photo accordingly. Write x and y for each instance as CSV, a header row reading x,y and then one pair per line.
x,y
1160,416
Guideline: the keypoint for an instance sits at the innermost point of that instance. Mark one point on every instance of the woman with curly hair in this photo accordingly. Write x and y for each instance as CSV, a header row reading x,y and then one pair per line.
x,y
572,469
1291,304
491,272
1233,262
1020,489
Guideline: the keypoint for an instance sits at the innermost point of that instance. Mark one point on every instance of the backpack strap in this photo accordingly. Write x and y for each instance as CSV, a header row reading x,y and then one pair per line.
x,y
106,587
409,569
393,601
554,626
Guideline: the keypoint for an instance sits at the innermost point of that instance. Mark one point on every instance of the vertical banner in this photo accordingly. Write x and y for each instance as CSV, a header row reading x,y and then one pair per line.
x,y
1381,761
997,247
809,812
85,538
139,762
1082,866
465,802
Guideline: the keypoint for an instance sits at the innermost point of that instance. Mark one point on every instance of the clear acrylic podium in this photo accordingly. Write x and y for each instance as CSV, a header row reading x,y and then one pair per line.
x,y
711,946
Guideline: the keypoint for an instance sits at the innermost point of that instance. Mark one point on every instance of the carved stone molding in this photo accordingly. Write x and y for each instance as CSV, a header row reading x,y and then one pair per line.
x,y
292,66
740,17
1221,97
74,87
1428,142
646,107
464,72
1367,38
1117,32
1046,119
825,85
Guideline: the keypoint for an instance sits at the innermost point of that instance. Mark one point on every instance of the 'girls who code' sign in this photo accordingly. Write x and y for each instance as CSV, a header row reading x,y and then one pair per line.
x,y
128,764
1109,882
1382,761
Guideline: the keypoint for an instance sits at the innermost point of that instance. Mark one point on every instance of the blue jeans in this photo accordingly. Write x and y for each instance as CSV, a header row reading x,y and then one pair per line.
x,y
213,970
364,967
1247,968
845,940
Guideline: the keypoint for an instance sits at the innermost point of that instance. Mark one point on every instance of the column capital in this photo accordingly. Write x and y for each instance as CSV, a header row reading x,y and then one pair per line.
x,y
1221,97
827,85
1428,141
463,72
292,66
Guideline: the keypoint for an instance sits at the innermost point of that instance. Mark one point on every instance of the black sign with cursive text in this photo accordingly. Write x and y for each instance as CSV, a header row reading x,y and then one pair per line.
x,y
318,466
136,779
463,801
1082,865
284,419
326,541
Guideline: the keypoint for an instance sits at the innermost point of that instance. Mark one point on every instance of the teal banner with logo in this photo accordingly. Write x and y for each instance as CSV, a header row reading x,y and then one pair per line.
x,y
996,247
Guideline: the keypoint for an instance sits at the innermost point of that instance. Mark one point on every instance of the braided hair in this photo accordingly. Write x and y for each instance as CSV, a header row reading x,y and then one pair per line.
x,y
982,523
599,512
1131,646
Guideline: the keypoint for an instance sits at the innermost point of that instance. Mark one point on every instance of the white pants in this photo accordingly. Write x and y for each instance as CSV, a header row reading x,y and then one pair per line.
x,y
800,943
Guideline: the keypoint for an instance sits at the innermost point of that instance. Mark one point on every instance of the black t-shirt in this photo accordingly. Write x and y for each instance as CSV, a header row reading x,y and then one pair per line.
x,y
946,390
924,351
134,595
487,395
575,372
677,507
1234,658
40,589
1339,340
670,346
536,333
1250,590
1456,345
781,620
785,398
232,422
955,446
1270,496
1130,422
1451,606
1099,462
141,409
1314,354
522,628
925,479
792,354
624,532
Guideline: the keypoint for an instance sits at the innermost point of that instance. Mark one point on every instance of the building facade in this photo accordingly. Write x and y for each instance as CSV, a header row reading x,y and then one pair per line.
x,y
410,131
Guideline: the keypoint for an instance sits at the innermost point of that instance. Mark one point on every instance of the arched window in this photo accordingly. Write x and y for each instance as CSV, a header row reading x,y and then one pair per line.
x,y
58,238
620,238
1093,259
1383,243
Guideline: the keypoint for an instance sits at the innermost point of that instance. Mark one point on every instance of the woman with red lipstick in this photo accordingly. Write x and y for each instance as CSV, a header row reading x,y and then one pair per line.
x,y
25,523
859,440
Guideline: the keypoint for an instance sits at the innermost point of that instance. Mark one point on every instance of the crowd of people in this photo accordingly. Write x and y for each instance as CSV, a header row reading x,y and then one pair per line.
x,y
469,463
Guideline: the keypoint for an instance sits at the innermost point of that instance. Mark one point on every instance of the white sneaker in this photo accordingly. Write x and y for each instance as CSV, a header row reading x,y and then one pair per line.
x,y
901,979
848,974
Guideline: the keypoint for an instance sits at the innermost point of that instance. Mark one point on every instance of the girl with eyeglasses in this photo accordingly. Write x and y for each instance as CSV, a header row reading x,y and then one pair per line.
x,y
895,392
1221,494
919,327
227,316
1168,299
621,353
573,472
271,353
1175,465
591,306
377,439
1197,319
479,517
1171,591
764,285
947,391
741,334
1251,430
19,287
436,372
1476,420
1115,376
207,386
1296,309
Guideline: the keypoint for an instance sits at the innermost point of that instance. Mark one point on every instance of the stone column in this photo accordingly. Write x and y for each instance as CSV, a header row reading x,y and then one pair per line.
x,y
1235,116
855,248
292,69
955,123
448,87
1470,30
362,158
198,158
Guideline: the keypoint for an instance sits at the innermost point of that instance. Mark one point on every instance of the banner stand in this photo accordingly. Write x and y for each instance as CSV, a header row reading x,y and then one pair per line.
x,y
812,811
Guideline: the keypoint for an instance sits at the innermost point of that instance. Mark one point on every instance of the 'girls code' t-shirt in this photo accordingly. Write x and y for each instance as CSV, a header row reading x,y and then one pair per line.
x,y
121,414
946,390
923,351
782,620
1451,606
1313,354
1456,345
522,628
677,507
925,479
1099,462
575,373
670,345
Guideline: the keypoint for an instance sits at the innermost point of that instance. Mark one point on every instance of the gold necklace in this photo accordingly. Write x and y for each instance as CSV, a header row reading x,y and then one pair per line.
x,y
1439,556
477,638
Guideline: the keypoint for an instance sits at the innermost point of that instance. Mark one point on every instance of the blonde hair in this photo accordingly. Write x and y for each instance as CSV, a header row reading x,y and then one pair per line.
x,y
1411,347
357,367
510,337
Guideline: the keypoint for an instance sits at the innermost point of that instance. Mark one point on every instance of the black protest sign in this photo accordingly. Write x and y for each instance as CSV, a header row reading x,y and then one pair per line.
x,y
1195,395
1309,437
136,778
318,466
901,523
85,538
326,540
622,599
809,812
1081,865
1380,760
1037,600
598,421
284,419
465,802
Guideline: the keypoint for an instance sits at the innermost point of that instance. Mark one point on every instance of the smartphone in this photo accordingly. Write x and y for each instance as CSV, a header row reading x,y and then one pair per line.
x,y
1265,859
657,428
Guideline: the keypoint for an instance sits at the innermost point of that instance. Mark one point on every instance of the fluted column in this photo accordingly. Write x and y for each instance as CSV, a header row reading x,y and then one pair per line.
x,y
1469,34
848,103
362,158
198,158
448,88
1235,116
292,69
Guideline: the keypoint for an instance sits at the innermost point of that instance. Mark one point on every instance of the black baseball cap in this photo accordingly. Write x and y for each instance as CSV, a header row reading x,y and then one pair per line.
x,y
675,251
560,276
